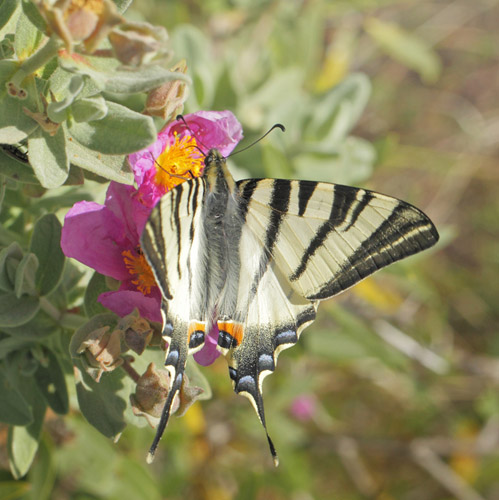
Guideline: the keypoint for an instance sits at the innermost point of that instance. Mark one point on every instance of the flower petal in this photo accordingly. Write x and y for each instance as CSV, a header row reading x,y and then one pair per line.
x,y
121,200
123,302
94,235
212,129
209,352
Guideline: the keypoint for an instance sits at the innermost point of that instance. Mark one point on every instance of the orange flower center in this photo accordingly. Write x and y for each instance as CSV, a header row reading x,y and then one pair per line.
x,y
179,162
137,266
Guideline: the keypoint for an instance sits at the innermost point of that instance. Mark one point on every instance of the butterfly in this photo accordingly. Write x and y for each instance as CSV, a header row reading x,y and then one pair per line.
x,y
255,257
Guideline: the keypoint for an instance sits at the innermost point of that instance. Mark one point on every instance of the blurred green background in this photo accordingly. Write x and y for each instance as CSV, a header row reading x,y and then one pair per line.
x,y
393,392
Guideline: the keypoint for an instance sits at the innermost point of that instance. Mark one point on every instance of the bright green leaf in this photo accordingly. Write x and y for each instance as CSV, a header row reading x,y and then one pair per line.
x,y
46,245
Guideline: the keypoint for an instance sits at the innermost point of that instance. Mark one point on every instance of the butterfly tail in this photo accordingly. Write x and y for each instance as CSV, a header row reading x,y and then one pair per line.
x,y
175,364
247,385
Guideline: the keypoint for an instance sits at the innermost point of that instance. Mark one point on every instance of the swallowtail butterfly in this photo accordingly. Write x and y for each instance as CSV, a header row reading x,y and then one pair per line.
x,y
255,257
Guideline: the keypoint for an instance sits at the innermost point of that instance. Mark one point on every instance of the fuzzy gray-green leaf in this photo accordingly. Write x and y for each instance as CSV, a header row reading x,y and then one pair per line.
x,y
14,409
121,131
46,245
47,156
25,275
14,311
52,384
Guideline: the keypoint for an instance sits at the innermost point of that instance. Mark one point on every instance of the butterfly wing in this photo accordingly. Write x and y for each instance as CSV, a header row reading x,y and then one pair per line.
x,y
303,242
332,236
173,248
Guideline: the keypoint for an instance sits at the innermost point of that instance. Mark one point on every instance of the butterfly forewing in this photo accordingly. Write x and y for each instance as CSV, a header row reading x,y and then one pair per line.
x,y
332,236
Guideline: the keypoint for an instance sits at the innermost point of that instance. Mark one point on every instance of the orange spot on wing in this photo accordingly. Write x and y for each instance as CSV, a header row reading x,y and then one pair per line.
x,y
195,326
235,330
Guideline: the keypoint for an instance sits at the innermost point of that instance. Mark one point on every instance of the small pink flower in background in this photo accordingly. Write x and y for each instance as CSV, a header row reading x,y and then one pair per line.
x,y
107,237
304,407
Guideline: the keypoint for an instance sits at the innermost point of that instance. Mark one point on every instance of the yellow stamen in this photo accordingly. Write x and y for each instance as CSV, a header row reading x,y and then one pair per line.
x,y
177,163
138,266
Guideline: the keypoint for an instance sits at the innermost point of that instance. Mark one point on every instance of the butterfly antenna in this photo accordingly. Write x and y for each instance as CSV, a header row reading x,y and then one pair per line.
x,y
182,119
277,125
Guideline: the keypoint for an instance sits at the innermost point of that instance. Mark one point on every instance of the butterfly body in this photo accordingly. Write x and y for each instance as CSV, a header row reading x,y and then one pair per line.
x,y
255,257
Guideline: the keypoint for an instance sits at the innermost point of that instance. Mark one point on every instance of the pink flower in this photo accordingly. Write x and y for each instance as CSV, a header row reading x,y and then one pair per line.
x,y
107,237
177,155
304,407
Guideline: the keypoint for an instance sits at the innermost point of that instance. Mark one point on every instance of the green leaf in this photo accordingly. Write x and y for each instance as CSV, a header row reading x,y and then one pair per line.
x,y
334,114
46,245
9,260
14,490
47,156
52,384
112,167
406,48
7,10
108,76
99,402
36,329
15,125
14,311
22,442
15,169
96,286
33,14
9,345
25,275
352,162
122,131
28,37
89,109
43,474
14,410
57,111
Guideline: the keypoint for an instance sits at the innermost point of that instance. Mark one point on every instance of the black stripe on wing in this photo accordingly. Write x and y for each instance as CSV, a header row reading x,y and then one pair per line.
x,y
405,232
279,203
345,201
153,246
